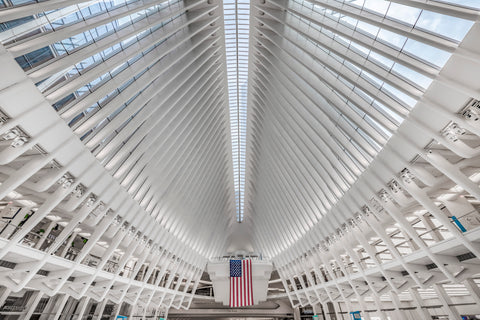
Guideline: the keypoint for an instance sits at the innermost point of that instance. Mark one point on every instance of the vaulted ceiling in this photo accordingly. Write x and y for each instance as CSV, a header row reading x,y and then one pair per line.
x,y
206,127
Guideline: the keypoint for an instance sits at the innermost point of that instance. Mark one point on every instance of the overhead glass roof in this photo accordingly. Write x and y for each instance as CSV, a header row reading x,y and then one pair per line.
x,y
236,18
331,83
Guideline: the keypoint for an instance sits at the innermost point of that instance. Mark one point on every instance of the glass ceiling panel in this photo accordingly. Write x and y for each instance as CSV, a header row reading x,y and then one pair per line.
x,y
236,19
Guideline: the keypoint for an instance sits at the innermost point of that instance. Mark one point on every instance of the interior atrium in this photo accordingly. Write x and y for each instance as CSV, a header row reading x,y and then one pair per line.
x,y
146,143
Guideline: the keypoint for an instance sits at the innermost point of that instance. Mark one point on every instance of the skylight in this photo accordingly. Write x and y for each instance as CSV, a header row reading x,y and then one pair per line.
x,y
236,19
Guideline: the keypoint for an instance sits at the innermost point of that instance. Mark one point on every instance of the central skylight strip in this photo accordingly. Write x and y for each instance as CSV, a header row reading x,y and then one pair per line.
x,y
236,19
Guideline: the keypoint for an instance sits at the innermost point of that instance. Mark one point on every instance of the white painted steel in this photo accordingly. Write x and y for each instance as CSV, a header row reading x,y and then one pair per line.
x,y
357,143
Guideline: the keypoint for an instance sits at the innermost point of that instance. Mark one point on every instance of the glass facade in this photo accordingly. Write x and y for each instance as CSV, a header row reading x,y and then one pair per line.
x,y
394,65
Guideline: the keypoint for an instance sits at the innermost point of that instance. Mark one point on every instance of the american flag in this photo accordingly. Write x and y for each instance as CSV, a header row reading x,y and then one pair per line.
x,y
241,293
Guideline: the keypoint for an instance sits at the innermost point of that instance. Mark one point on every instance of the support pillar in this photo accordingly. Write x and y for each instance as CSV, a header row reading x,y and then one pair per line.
x,y
68,245
116,310
427,222
81,308
296,313
4,293
318,309
133,310
32,304
44,236
99,309
401,314
48,308
70,307
417,301
331,312
446,302
473,290
59,305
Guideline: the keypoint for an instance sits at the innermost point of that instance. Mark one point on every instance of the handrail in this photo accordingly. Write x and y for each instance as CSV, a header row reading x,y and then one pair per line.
x,y
253,256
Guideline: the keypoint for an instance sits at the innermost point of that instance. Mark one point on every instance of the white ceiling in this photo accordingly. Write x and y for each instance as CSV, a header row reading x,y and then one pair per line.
x,y
327,87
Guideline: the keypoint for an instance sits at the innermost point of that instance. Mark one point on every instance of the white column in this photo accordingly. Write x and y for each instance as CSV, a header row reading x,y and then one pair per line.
x,y
446,302
99,309
81,308
32,304
417,301
45,235
4,293
472,287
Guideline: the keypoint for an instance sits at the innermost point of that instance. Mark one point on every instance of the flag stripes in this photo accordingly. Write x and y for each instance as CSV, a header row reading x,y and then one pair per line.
x,y
241,293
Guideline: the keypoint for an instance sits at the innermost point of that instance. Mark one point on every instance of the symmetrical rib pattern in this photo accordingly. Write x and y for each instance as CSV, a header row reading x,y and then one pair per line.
x,y
345,132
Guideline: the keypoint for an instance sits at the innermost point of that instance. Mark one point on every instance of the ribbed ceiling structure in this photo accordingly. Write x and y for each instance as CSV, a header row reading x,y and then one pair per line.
x,y
333,81
338,138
